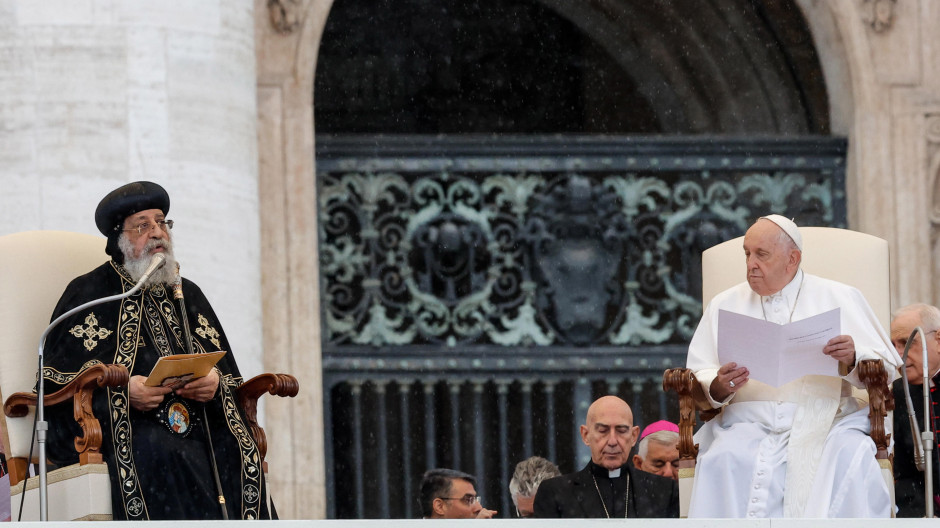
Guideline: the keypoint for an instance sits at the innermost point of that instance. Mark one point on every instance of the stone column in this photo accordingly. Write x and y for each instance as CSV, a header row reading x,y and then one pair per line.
x,y
287,41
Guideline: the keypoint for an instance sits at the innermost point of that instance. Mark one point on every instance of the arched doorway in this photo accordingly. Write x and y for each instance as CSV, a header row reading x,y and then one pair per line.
x,y
478,289
542,67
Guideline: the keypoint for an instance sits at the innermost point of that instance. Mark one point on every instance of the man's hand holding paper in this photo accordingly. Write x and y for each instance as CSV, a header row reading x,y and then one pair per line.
x,y
144,397
730,379
777,354
188,375
842,348
200,389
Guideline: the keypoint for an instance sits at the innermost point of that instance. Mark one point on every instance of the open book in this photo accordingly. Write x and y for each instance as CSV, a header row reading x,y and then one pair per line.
x,y
176,370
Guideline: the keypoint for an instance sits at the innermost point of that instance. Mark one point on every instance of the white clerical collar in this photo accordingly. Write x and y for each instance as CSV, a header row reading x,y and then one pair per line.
x,y
779,307
613,473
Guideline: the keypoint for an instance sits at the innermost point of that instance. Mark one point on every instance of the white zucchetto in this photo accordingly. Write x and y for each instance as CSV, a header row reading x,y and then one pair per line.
x,y
789,227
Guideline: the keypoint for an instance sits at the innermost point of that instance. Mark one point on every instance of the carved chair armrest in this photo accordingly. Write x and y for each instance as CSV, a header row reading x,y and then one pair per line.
x,y
691,399
80,390
880,401
248,394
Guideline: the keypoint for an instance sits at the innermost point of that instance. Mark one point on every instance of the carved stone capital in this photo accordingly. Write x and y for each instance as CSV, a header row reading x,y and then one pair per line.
x,y
878,14
285,15
933,128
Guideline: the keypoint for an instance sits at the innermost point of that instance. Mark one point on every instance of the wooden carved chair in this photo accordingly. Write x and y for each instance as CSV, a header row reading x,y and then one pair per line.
x,y
37,266
850,257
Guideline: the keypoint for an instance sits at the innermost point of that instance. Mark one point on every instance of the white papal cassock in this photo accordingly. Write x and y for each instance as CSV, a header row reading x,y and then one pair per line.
x,y
800,450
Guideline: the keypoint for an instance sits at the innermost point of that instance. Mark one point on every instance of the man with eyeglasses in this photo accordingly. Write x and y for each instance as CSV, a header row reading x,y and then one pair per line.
x,y
451,494
162,444
909,482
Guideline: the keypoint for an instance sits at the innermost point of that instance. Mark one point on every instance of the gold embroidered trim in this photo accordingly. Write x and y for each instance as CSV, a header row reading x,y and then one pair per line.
x,y
130,322
133,317
251,474
91,332
63,378
207,332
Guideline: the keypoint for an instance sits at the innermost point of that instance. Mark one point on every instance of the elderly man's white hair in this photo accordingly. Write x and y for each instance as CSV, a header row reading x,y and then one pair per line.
x,y
529,475
929,315
666,438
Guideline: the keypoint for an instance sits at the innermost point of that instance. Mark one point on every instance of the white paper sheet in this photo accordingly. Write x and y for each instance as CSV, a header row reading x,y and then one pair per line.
x,y
778,354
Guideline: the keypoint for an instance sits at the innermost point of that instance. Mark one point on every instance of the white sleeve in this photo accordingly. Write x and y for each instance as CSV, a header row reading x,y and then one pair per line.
x,y
871,340
703,353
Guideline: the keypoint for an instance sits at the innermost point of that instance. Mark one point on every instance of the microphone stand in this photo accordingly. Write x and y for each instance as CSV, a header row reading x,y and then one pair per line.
x,y
41,425
923,444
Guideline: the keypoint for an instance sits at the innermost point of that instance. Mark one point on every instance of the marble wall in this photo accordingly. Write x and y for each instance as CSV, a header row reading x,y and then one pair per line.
x,y
882,68
96,94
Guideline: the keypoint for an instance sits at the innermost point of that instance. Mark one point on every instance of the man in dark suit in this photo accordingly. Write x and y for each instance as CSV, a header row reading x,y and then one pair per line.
x,y
608,487
909,481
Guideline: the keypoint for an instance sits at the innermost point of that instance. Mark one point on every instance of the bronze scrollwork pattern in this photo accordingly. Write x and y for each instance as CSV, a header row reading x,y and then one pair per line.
x,y
536,259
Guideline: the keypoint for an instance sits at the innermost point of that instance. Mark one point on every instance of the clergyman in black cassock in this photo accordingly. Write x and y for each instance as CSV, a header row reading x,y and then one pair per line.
x,y
908,480
158,458
609,486
575,496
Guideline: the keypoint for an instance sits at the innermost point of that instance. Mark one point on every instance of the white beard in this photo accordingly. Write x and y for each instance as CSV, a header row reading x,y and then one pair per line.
x,y
167,274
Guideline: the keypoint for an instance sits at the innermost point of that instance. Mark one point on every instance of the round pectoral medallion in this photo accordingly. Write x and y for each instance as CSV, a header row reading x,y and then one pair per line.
x,y
177,416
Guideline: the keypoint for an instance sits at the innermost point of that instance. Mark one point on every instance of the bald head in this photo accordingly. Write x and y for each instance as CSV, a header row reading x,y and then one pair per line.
x,y
608,405
609,431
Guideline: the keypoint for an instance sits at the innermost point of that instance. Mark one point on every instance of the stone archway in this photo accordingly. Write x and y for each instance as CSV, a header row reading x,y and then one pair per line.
x,y
449,67
545,66
879,96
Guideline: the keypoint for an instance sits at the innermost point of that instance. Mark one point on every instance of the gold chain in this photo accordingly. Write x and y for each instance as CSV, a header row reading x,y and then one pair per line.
x,y
626,497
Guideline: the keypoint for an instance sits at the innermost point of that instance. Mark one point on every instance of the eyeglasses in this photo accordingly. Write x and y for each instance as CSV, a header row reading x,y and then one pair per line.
x,y
469,500
145,227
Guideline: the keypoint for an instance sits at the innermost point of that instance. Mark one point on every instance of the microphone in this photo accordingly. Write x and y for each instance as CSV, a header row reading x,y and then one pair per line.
x,y
158,260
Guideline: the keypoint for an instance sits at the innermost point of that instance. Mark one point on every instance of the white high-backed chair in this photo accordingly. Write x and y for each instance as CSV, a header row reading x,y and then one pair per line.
x,y
850,257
